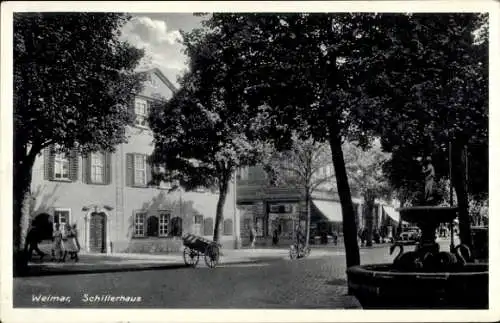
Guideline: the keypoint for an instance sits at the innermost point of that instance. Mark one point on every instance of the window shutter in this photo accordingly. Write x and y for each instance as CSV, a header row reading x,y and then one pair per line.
x,y
149,171
131,111
130,169
107,167
73,165
48,163
86,178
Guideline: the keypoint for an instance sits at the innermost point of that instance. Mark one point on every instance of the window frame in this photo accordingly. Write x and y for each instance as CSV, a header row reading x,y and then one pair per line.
x,y
93,167
139,114
136,223
165,224
58,160
143,170
160,169
68,219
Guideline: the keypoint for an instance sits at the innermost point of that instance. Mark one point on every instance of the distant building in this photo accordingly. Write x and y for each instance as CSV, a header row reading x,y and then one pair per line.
x,y
108,197
279,209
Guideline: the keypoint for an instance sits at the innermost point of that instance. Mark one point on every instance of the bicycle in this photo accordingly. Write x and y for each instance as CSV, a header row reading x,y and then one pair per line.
x,y
299,250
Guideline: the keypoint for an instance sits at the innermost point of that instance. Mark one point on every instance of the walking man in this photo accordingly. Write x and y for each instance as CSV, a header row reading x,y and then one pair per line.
x,y
32,240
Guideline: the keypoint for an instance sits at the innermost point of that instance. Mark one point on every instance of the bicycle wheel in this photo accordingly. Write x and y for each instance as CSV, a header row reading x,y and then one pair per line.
x,y
294,252
212,255
191,257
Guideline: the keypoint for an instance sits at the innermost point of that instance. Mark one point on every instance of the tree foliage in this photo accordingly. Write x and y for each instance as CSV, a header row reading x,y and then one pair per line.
x,y
431,89
73,81
302,166
201,135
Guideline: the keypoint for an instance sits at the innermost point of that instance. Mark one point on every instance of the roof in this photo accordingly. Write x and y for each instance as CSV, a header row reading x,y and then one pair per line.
x,y
161,76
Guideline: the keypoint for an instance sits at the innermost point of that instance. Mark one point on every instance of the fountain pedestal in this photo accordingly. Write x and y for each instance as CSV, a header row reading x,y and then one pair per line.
x,y
386,286
428,218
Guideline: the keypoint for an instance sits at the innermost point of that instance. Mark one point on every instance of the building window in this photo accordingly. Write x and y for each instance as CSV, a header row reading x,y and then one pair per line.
x,y
176,227
61,166
141,112
139,224
140,169
160,170
163,226
152,226
97,167
61,217
228,227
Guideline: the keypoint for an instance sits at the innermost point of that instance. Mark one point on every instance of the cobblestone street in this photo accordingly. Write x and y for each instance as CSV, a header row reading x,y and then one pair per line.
x,y
316,282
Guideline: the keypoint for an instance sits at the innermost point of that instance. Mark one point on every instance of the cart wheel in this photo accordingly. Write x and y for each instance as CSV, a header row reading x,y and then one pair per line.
x,y
212,256
294,252
191,257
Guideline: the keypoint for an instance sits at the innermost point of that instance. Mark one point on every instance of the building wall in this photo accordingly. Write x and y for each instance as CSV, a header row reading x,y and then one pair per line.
x,y
254,194
120,202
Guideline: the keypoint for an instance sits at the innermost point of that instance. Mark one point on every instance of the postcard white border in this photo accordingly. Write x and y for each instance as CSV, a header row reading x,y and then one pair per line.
x,y
9,314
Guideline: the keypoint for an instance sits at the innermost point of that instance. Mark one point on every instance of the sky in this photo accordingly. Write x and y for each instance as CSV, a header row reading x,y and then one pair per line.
x,y
158,34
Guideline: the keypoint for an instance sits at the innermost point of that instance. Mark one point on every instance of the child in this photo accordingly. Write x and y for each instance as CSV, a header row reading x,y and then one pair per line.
x,y
57,245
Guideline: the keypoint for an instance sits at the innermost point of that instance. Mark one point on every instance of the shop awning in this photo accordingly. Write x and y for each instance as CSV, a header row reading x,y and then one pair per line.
x,y
393,214
330,210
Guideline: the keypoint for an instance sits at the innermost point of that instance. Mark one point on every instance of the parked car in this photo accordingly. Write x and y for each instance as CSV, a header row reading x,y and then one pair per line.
x,y
410,234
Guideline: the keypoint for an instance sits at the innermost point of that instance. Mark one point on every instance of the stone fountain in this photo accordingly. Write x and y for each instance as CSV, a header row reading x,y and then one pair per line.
x,y
425,278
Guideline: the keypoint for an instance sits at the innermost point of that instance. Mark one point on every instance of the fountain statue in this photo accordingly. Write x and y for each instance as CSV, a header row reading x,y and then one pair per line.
x,y
425,277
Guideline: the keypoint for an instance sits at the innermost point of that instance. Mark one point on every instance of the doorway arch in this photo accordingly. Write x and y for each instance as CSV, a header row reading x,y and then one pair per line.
x,y
97,228
97,232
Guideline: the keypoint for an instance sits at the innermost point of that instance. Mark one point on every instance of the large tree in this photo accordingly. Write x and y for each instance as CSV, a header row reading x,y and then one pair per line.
x,y
73,81
430,90
201,135
303,166
298,80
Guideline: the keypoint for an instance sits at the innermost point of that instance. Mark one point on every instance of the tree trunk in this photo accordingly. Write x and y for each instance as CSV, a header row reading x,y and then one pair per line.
x,y
219,215
308,218
348,215
22,175
368,214
458,177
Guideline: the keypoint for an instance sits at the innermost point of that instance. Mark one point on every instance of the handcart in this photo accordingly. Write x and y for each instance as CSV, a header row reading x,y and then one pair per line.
x,y
195,245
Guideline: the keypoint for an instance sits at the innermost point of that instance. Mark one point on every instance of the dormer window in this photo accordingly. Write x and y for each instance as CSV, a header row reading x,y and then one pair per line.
x,y
141,110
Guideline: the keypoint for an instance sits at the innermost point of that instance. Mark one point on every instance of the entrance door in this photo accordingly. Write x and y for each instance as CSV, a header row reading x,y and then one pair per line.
x,y
97,232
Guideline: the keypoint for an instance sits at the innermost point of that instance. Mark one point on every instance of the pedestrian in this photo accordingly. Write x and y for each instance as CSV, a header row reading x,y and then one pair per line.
x,y
57,244
32,239
71,245
275,237
253,234
335,237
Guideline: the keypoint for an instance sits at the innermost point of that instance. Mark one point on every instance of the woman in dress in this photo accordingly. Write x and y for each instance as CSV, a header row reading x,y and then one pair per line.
x,y
70,243
57,244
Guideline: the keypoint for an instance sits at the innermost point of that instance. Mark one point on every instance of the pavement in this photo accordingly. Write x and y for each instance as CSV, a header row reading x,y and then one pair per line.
x,y
115,262
244,278
99,263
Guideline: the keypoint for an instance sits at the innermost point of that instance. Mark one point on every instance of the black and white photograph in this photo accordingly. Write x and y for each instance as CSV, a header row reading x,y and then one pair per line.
x,y
222,158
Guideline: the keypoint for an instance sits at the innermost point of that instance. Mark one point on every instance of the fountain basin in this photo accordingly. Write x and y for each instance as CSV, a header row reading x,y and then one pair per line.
x,y
380,286
422,215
